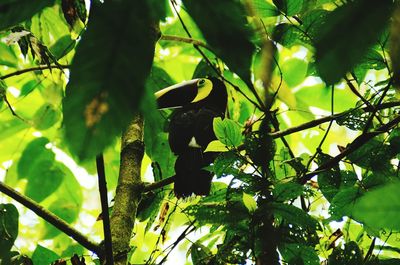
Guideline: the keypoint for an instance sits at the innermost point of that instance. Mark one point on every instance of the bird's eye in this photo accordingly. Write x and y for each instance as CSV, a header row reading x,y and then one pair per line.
x,y
202,82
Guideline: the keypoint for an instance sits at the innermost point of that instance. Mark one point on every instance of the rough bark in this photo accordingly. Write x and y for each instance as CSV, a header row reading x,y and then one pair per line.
x,y
128,191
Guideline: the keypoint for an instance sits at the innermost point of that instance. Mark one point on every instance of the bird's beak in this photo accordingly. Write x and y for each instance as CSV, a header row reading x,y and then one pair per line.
x,y
180,95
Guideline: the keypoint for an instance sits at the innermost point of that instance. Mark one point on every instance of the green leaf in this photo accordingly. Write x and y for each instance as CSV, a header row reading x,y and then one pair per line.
x,y
8,56
370,152
8,228
223,22
344,201
68,203
379,208
289,7
226,163
43,180
43,255
46,116
287,34
294,71
297,254
335,53
294,215
216,146
332,181
249,202
17,11
63,46
35,149
287,191
105,87
200,254
227,131
264,8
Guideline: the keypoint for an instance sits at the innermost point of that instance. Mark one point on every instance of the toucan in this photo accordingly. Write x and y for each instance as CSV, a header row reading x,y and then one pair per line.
x,y
196,103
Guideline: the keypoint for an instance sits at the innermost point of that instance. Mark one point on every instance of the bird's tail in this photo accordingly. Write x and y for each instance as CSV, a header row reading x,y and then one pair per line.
x,y
190,177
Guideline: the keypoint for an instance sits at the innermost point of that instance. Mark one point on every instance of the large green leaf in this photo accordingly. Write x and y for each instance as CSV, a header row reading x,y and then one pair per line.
x,y
17,11
35,149
223,24
379,208
44,179
43,255
227,131
347,34
108,75
68,203
8,228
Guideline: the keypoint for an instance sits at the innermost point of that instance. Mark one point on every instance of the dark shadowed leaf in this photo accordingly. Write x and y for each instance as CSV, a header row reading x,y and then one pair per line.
x,y
200,254
17,11
9,227
332,181
223,24
293,215
297,254
287,191
335,53
350,255
108,75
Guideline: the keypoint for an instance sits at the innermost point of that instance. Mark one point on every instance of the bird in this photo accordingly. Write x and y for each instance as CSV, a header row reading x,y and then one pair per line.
x,y
195,104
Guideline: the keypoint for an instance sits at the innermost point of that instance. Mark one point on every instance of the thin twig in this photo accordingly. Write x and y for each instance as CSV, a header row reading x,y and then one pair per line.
x,y
31,69
371,117
317,122
357,143
104,209
318,149
185,40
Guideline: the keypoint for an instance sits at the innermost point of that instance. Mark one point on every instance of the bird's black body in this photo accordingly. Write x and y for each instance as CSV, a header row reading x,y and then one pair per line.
x,y
191,130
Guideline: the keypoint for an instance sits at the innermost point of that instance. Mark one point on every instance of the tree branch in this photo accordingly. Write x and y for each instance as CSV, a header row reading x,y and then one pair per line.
x,y
357,143
317,122
51,218
129,190
159,184
36,68
104,209
185,40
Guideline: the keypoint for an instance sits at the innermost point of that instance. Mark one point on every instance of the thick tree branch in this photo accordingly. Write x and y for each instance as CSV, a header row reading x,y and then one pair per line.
x,y
159,184
129,190
51,218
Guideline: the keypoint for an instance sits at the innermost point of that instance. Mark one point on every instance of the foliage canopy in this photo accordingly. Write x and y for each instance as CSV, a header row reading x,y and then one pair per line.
x,y
308,164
